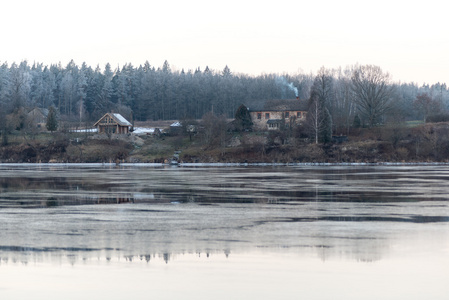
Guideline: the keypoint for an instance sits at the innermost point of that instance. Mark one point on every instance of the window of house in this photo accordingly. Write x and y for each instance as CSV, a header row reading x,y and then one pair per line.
x,y
259,116
267,115
287,114
298,114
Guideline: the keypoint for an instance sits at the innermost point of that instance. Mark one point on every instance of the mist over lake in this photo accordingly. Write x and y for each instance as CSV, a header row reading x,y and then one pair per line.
x,y
312,232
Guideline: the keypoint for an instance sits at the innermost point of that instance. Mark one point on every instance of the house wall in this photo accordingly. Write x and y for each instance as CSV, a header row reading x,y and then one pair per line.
x,y
113,129
261,123
37,119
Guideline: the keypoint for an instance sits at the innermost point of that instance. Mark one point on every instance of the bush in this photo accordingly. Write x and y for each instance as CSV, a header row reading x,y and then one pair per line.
x,y
438,118
402,153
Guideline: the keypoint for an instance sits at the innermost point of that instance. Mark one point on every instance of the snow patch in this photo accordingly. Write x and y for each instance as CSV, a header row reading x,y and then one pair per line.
x,y
143,130
85,130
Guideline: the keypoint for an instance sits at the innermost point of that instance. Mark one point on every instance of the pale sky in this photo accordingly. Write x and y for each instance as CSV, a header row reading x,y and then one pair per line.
x,y
408,39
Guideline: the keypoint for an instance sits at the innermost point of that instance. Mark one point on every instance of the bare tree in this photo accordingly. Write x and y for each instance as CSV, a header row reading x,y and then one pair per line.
x,y
20,84
372,91
425,105
214,132
320,103
318,122
323,86
343,110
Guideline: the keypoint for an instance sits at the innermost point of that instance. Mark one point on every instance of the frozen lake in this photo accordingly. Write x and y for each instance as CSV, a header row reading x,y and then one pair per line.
x,y
283,232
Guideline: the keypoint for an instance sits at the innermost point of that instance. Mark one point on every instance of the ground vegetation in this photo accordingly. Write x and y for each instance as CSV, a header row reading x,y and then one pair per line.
x,y
394,142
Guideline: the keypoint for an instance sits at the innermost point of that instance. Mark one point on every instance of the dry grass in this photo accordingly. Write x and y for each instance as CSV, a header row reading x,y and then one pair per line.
x,y
428,142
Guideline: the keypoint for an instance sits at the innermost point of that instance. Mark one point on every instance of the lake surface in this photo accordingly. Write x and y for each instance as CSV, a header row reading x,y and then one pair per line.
x,y
271,232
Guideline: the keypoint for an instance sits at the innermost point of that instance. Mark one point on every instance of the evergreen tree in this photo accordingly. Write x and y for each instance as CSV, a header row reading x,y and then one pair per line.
x,y
5,88
226,72
49,85
52,119
357,122
243,119
37,86
326,130
166,94
166,67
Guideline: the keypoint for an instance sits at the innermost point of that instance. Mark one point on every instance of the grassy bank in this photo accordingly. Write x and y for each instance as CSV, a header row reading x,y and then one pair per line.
x,y
418,143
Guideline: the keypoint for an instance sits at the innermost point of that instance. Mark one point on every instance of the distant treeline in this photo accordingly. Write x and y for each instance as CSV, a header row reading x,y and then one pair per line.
x,y
84,93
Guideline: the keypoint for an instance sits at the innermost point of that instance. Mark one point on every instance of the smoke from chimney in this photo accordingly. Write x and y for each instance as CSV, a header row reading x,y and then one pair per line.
x,y
282,81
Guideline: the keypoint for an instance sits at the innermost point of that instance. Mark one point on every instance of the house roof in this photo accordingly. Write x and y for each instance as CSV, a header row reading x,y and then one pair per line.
x,y
35,110
278,105
121,120
118,118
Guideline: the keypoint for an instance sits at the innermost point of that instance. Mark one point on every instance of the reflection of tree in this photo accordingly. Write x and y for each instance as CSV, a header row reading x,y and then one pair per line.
x,y
73,255
58,189
71,192
327,247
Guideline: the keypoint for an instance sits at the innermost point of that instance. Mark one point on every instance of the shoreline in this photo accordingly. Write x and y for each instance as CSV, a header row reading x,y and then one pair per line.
x,y
309,164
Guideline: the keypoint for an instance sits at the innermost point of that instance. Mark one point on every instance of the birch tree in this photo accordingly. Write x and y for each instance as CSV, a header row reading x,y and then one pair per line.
x,y
81,86
319,121
343,104
321,98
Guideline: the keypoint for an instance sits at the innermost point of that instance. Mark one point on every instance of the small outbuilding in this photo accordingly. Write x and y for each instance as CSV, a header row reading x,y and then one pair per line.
x,y
38,117
175,128
113,123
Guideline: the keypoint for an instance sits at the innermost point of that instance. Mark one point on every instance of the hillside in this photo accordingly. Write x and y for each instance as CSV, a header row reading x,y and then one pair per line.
x,y
423,143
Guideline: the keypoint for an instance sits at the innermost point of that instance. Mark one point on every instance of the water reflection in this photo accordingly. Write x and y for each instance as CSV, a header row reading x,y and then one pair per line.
x,y
73,256
267,232
56,186
89,211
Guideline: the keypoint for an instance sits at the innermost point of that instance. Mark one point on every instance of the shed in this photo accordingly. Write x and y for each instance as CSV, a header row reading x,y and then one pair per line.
x,y
38,117
176,128
113,123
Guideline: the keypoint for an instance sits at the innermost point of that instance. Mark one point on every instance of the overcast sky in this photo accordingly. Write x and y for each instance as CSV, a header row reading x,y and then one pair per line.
x,y
409,39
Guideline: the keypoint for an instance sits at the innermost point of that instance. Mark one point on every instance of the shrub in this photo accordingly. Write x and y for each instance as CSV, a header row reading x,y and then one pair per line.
x,y
443,117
